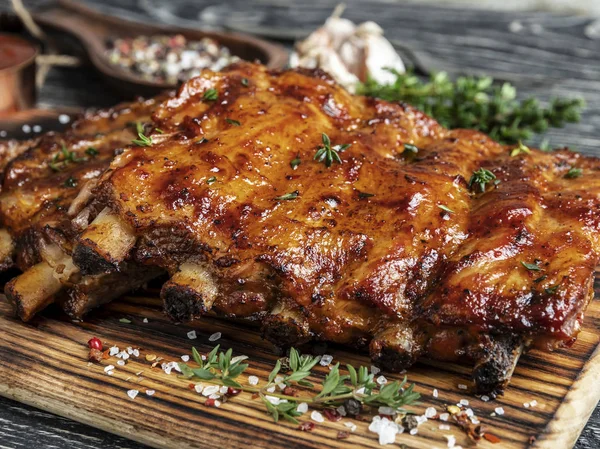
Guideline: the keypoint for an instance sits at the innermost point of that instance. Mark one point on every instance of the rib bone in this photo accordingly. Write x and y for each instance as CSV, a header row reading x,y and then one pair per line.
x,y
189,293
7,249
286,325
494,368
397,346
33,290
104,244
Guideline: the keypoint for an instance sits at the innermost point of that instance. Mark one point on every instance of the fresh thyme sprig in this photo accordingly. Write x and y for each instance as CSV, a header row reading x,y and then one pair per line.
x,y
328,154
477,103
481,178
64,158
336,388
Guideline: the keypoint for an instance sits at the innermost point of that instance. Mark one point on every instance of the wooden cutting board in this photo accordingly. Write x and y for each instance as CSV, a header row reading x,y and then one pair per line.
x,y
44,364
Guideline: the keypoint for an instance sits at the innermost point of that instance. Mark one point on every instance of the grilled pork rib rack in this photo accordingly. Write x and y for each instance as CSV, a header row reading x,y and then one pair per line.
x,y
44,186
389,247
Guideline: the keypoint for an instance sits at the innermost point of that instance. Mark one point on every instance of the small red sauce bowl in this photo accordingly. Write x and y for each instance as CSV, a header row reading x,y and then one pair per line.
x,y
17,74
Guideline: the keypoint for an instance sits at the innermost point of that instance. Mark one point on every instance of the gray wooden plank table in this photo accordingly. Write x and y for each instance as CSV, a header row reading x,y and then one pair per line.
x,y
542,53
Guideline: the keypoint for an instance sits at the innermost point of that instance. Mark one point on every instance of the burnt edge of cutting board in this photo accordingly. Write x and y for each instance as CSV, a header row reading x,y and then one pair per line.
x,y
44,364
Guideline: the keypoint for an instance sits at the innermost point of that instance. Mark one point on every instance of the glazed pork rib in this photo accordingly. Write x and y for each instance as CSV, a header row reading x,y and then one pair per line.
x,y
328,216
43,188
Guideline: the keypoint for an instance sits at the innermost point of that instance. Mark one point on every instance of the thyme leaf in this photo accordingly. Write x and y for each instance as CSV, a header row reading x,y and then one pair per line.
x,y
210,95
328,154
481,178
532,266
573,173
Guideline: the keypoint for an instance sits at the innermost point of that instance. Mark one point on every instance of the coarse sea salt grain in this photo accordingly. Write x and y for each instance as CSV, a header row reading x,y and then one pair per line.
x,y
485,398
414,431
469,412
121,362
302,407
214,396
381,380
326,359
386,411
351,426
64,119
435,393
215,336
223,389
271,389
132,393
464,402
386,429
374,370
3,133
273,399
316,416
26,129
136,353
462,387
185,358
499,410
430,412
533,403
444,427
444,416
150,392
238,358
113,351
192,335
451,440
211,389
145,320
37,129
253,380
198,388
129,350
109,368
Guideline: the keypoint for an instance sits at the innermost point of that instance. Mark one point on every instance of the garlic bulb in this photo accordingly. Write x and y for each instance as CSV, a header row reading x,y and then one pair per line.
x,y
349,53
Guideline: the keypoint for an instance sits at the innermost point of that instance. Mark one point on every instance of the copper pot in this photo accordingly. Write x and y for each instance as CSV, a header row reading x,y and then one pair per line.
x,y
17,74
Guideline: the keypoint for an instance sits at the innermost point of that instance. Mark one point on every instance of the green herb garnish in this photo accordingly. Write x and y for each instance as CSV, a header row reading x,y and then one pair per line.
x,y
210,180
142,141
125,321
245,82
91,151
477,103
357,384
71,182
288,196
481,178
445,208
158,130
232,122
411,148
64,158
328,154
552,290
295,162
531,266
573,173
210,95
363,195
520,149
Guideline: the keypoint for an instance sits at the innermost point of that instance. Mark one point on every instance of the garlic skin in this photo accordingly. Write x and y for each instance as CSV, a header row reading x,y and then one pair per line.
x,y
349,53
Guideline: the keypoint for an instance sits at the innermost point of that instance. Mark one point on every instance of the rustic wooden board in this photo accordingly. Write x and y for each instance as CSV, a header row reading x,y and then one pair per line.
x,y
44,364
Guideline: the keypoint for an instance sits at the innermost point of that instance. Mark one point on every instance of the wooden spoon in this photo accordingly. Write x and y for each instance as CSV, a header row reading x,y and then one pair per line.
x,y
95,30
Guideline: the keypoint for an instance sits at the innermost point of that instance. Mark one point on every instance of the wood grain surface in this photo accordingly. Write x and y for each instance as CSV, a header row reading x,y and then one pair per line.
x,y
547,55
44,364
